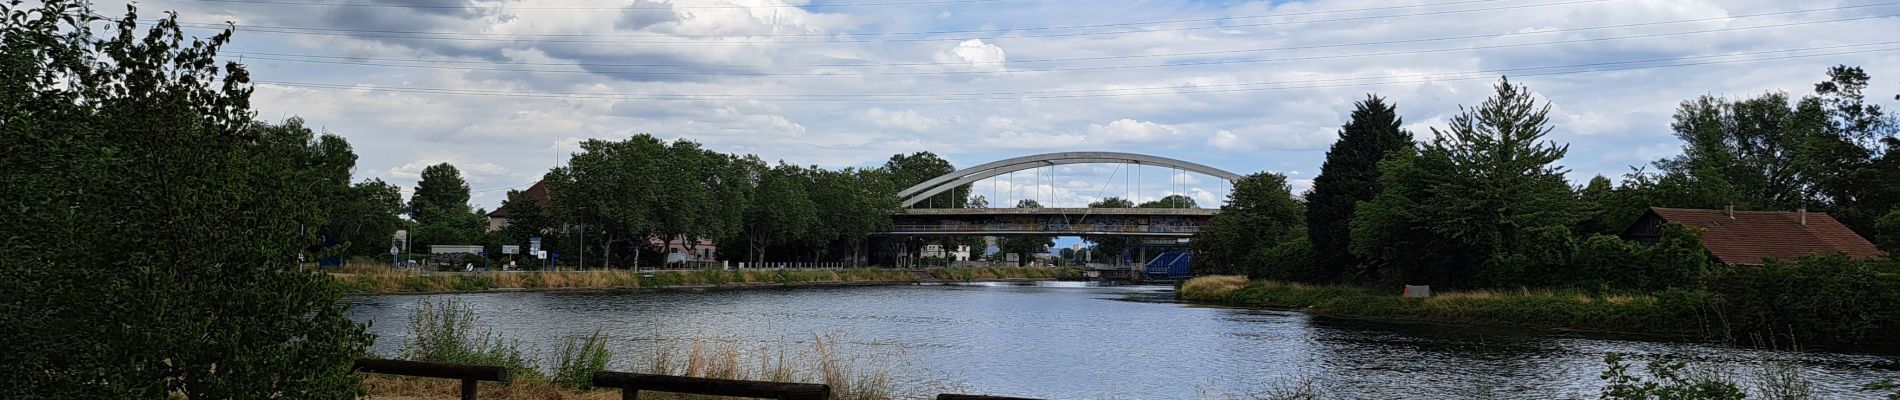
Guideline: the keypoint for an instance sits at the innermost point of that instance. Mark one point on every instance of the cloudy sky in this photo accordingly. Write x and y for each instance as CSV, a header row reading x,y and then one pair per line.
x,y
504,89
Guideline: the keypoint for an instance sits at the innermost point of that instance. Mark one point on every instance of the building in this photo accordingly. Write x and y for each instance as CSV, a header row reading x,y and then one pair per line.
x,y
1749,237
959,253
703,250
499,218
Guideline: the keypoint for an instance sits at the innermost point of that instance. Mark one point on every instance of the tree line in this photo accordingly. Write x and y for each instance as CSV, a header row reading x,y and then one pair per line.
x,y
1484,202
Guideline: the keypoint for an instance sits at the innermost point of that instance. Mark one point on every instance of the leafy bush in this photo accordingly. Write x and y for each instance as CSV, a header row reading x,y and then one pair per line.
x,y
1669,380
446,332
579,358
1819,299
151,227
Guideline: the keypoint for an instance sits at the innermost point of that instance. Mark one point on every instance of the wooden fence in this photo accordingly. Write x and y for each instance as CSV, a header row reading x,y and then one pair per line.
x,y
468,374
629,384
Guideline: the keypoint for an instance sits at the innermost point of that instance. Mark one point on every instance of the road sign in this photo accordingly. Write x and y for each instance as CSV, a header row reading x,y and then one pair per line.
x,y
393,250
510,249
534,243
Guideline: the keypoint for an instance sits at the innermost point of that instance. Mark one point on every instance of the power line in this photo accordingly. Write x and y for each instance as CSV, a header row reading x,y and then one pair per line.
x,y
1049,94
456,36
1070,69
670,7
269,55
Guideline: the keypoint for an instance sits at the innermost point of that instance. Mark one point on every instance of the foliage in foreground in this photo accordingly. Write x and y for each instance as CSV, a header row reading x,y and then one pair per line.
x,y
152,228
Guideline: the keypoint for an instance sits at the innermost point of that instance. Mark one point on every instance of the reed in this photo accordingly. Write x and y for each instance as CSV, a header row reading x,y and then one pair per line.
x,y
1212,286
382,279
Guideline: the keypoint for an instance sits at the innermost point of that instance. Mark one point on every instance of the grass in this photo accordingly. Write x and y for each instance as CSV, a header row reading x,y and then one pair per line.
x,y
1675,313
381,279
450,332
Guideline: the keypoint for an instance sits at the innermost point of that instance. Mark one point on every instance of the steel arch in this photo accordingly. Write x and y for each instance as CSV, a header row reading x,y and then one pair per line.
x,y
934,186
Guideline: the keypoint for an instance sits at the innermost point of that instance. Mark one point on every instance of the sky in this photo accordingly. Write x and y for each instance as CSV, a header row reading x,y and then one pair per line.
x,y
505,90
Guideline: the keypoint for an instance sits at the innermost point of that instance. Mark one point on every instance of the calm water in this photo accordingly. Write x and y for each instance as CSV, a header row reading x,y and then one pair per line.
x,y
1064,340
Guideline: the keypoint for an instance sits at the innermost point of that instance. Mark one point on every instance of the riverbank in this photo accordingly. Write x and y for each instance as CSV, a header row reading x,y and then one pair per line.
x,y
1679,314
386,280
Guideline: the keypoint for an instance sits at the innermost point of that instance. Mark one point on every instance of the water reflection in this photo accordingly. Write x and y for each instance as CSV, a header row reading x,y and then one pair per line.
x,y
1074,340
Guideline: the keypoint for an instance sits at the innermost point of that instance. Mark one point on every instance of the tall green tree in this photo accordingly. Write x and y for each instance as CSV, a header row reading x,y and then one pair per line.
x,y
151,229
526,219
441,186
1350,175
784,213
608,193
857,203
912,169
1470,206
1170,201
441,211
1260,214
1025,247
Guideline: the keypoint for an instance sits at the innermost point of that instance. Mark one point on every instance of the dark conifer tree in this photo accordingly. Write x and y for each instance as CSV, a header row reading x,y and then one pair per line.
x,y
1350,175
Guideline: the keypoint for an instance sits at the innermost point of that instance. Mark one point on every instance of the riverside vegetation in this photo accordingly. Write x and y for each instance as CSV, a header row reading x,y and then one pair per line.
x,y
1482,211
388,280
450,332
1821,300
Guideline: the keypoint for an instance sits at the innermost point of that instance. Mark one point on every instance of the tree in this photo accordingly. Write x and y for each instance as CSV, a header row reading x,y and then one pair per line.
x,y
1889,238
609,192
441,211
1025,246
784,212
441,186
526,219
152,227
910,170
1260,214
1350,175
858,203
1170,201
1467,209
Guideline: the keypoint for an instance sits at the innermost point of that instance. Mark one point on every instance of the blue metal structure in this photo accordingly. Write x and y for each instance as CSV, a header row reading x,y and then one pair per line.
x,y
1170,265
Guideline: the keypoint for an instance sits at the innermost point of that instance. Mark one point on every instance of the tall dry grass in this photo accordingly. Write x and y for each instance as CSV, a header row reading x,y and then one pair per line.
x,y
366,278
1212,287
854,372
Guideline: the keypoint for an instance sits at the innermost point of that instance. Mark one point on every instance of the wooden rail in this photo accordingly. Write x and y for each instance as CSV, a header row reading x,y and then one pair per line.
x,y
630,385
468,374
951,396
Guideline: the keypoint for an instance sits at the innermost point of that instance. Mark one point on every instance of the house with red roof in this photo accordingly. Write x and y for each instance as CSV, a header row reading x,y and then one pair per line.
x,y
1750,237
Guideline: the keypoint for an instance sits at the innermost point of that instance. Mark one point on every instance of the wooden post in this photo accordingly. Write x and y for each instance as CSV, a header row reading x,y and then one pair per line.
x,y
468,389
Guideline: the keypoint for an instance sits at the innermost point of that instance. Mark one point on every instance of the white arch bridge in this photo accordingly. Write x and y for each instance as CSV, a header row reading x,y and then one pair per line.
x,y
1152,222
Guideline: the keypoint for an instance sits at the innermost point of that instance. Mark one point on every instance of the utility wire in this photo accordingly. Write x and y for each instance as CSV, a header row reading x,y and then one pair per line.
x,y
455,36
669,7
919,33
1096,58
1239,87
1072,69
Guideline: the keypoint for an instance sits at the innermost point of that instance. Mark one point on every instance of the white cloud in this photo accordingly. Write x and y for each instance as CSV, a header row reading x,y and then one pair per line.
x,y
1128,130
1227,140
902,119
980,56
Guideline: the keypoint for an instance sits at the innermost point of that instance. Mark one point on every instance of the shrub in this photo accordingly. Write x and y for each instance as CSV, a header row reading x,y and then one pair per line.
x,y
579,358
1819,299
447,333
151,227
1668,380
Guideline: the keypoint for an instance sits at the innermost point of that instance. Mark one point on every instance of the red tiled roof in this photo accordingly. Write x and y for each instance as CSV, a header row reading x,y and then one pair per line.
x,y
1751,236
538,192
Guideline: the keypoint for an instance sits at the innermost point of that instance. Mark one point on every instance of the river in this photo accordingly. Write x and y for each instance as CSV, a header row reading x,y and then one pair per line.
x,y
1070,340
